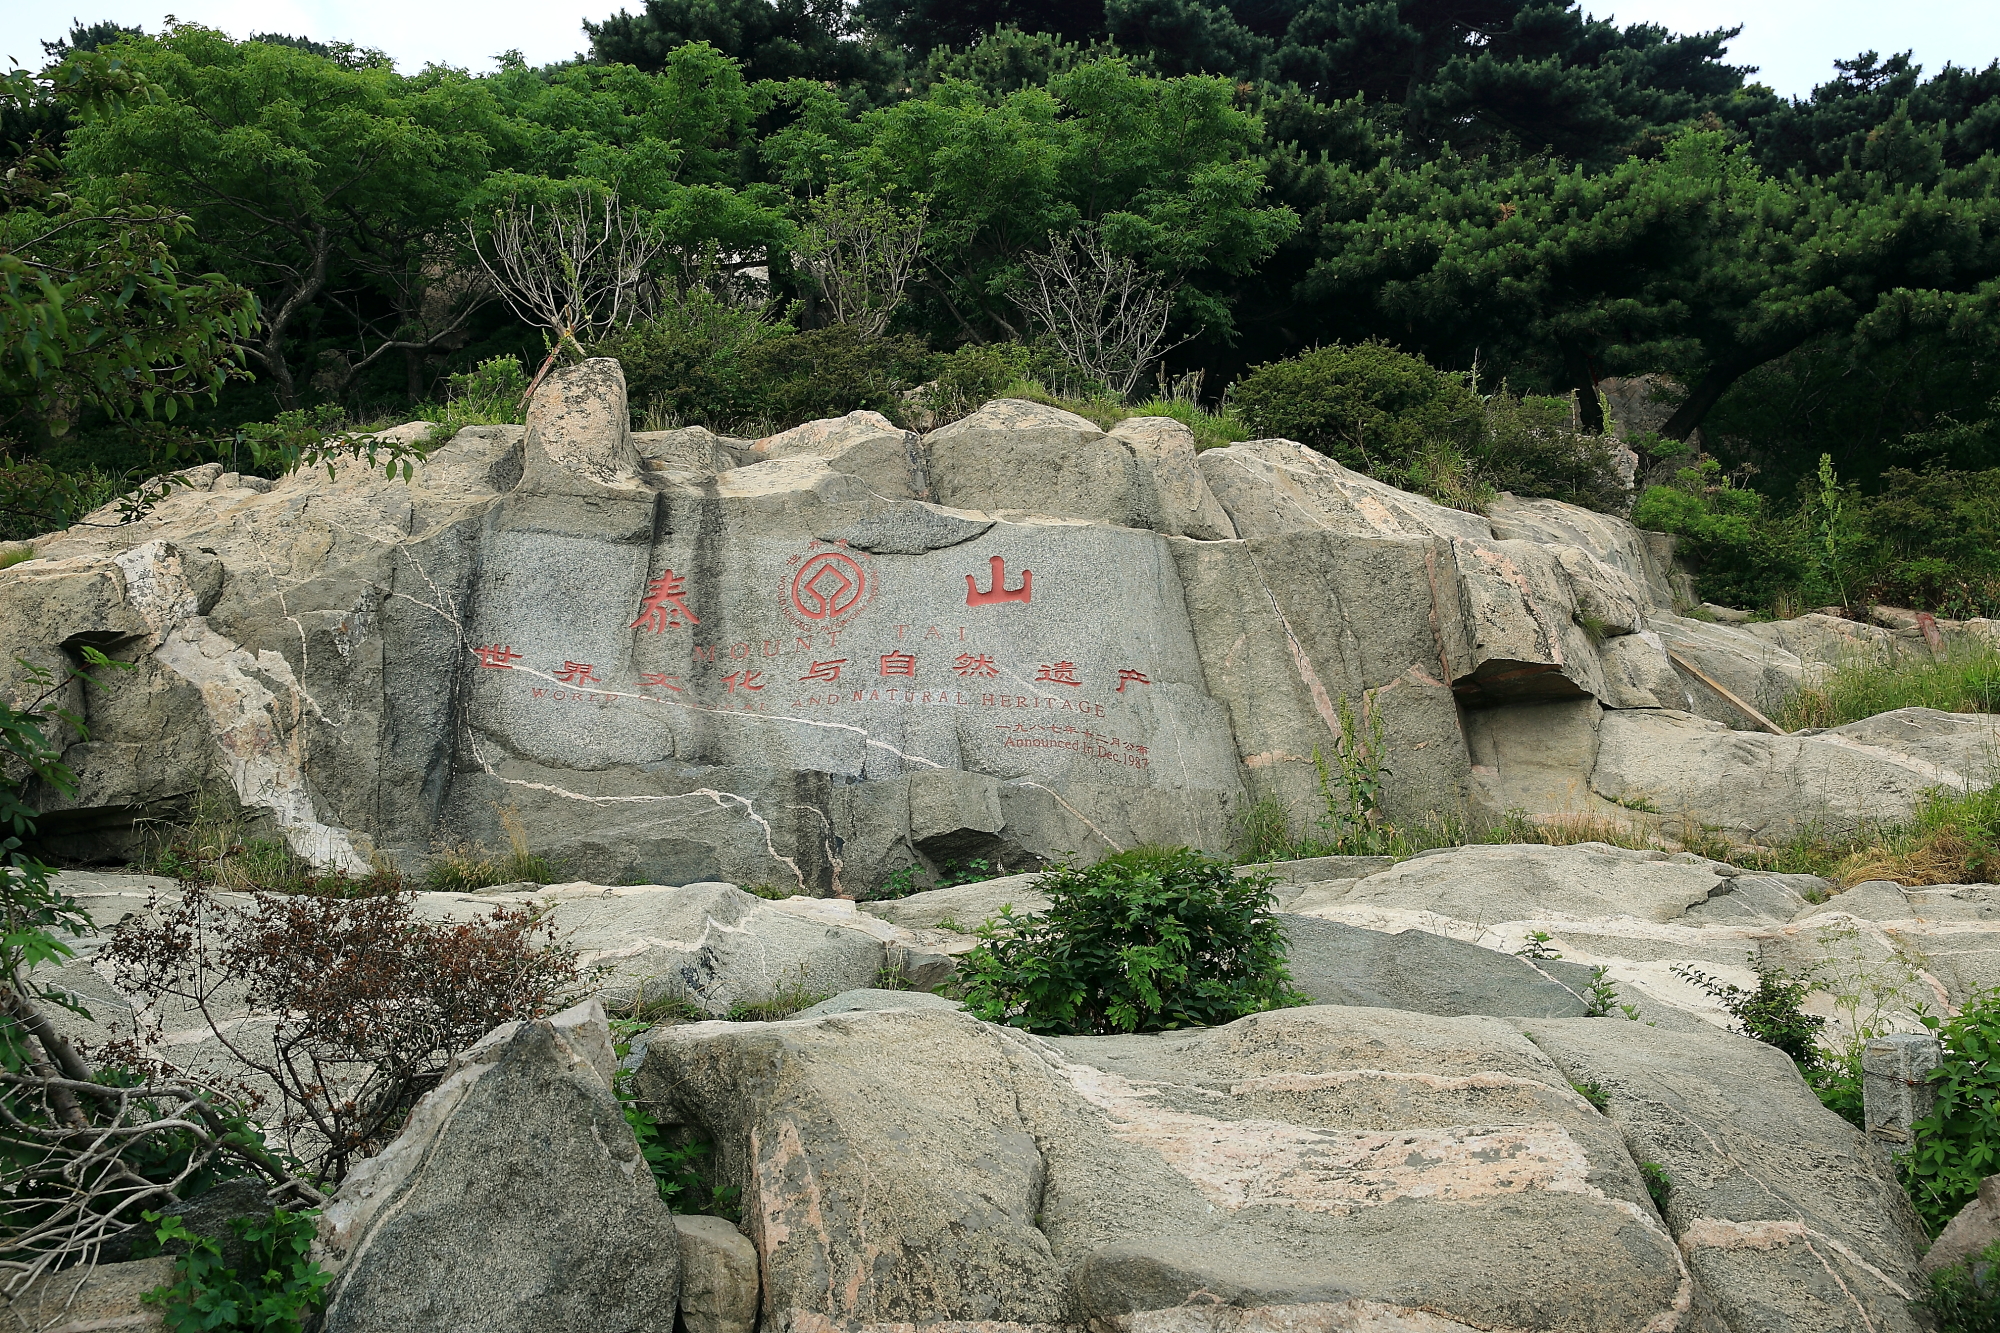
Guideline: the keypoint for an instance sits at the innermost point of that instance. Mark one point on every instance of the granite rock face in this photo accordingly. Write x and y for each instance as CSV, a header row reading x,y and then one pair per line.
x,y
807,661
515,1200
1332,1165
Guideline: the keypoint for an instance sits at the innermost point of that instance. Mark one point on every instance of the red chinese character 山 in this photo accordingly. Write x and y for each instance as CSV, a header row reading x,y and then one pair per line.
x,y
497,657
827,671
742,680
1057,673
1128,676
664,606
899,664
969,664
577,673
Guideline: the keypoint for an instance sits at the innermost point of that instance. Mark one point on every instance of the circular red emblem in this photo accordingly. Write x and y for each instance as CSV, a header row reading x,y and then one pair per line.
x,y
830,585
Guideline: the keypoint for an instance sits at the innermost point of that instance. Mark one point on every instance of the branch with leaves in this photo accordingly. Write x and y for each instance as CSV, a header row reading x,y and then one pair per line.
x,y
861,251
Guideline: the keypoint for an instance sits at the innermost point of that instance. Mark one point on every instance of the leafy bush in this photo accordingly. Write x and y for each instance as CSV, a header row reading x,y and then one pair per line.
x,y
833,371
688,364
1143,941
1533,448
1966,1297
369,1003
1773,1013
1366,405
1741,555
677,1167
906,880
276,1290
1958,1144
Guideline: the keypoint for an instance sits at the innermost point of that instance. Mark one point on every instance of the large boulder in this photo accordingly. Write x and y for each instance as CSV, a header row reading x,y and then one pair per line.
x,y
1329,1165
515,1200
1165,452
862,444
1605,537
1425,973
99,1298
1790,1220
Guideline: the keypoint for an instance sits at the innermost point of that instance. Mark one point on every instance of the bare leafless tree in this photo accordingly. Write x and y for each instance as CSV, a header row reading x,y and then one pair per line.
x,y
579,269
861,251
1107,315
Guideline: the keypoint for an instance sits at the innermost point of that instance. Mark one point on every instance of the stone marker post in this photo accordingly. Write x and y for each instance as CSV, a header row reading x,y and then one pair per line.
x,y
1895,1085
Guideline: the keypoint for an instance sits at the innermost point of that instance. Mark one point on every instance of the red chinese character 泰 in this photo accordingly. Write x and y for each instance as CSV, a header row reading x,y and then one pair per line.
x,y
497,656
1130,677
748,680
659,679
899,664
577,673
825,670
663,606
1061,673
969,665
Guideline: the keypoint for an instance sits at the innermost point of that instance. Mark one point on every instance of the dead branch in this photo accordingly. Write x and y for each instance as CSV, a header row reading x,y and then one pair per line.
x,y
1106,314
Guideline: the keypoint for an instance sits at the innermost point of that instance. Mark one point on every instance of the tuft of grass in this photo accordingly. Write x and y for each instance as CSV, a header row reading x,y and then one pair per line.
x,y
462,866
657,1002
783,1002
1966,679
773,892
18,555
1594,1094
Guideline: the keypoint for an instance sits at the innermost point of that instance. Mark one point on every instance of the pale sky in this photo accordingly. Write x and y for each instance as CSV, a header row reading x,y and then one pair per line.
x,y
1795,42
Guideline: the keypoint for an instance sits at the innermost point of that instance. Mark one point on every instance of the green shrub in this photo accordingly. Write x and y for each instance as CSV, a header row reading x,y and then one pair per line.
x,y
1143,941
1533,448
275,1291
906,880
974,375
1366,405
1965,1297
832,371
1742,555
689,364
1773,1013
1958,1144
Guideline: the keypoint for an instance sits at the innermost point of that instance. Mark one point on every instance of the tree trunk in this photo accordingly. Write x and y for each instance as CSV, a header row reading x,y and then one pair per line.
x,y
1576,370
1718,378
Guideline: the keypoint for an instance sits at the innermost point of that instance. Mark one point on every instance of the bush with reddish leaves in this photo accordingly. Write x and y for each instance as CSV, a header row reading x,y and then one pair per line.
x,y
362,1005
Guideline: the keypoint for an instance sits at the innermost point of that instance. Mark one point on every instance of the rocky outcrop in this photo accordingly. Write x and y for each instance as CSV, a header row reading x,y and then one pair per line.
x,y
1329,1164
105,1298
1786,1216
515,1200
807,661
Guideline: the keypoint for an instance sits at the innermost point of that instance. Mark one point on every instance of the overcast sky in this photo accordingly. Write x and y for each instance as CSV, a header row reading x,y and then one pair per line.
x,y
1795,42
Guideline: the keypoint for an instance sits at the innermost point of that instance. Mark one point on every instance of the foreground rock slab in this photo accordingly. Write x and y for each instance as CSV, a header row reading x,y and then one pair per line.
x,y
1790,1220
515,1201
1326,1167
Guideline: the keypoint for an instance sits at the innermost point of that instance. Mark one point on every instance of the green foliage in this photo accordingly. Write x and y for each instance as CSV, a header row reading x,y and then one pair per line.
x,y
1351,823
1658,1185
1600,997
277,1289
689,364
1741,557
1965,1297
833,371
1594,1094
1366,405
914,878
1143,941
1773,1013
1958,1144
1966,679
677,1155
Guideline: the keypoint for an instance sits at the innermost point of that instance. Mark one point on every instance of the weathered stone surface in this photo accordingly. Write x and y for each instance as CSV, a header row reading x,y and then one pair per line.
x,y
862,444
694,449
1966,744
1760,673
1014,457
1425,973
1970,1233
1269,487
1825,640
515,1200
869,1000
712,943
965,904
1165,452
579,433
1607,538
1509,883
1754,785
1293,628
100,1299
1789,1220
1639,674
1324,1164
718,1276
